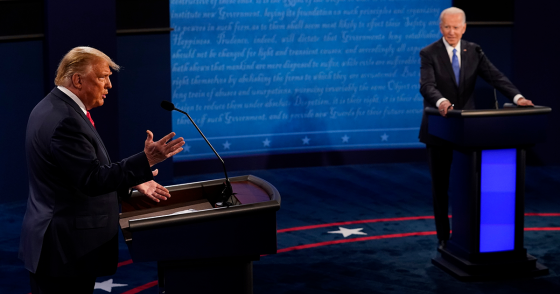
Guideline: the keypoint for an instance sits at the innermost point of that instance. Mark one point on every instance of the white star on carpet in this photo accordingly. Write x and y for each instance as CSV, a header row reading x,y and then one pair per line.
x,y
347,232
305,140
186,148
266,143
384,137
345,139
107,285
226,145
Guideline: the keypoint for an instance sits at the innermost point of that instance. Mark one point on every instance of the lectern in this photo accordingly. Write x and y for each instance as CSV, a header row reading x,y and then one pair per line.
x,y
487,190
200,248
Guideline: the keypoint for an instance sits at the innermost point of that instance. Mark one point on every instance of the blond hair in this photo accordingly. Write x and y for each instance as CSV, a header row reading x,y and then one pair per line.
x,y
80,60
453,10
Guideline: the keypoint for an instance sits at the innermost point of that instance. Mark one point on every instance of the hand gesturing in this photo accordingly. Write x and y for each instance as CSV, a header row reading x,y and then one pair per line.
x,y
161,150
153,190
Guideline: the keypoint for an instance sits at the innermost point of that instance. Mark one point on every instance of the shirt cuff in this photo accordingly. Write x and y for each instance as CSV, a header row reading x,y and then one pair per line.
x,y
441,100
517,98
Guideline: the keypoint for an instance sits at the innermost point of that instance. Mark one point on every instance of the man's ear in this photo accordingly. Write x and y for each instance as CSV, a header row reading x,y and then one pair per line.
x,y
77,81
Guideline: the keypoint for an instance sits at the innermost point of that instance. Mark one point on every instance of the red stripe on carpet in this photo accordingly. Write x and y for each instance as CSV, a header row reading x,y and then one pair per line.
x,y
542,229
395,219
126,262
541,214
141,288
307,246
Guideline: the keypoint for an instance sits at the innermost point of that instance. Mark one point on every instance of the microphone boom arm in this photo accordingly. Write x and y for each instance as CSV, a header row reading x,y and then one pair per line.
x,y
228,190
220,158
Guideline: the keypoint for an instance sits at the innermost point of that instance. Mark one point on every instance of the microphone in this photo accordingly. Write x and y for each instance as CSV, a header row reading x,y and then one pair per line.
x,y
479,50
168,105
228,190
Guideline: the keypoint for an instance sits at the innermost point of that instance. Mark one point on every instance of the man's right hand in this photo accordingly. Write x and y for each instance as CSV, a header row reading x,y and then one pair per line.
x,y
444,106
161,150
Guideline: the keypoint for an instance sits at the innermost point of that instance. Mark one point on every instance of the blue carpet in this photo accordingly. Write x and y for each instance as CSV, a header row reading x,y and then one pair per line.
x,y
358,195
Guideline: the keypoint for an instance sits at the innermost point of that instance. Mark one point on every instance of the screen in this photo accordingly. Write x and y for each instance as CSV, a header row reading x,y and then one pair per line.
x,y
283,76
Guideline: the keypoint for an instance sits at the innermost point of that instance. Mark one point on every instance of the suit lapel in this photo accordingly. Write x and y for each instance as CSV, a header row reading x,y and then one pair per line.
x,y
464,65
444,60
80,112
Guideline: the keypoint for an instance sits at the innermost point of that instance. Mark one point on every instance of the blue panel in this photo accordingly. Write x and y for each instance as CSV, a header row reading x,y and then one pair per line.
x,y
272,76
497,200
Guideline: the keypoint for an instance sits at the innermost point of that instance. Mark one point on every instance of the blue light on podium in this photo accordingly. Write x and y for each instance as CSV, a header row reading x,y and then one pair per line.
x,y
497,200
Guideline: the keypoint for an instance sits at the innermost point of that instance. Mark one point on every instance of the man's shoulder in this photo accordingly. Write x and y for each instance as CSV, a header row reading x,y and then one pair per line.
x,y
55,106
435,46
468,45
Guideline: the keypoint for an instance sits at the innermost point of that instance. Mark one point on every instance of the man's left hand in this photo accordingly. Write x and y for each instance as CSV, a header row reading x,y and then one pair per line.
x,y
153,190
524,102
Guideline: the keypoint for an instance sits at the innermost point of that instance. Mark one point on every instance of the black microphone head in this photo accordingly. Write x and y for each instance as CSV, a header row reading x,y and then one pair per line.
x,y
167,105
479,50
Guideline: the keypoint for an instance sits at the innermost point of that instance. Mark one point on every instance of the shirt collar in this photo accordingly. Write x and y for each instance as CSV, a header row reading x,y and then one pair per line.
x,y
74,97
450,48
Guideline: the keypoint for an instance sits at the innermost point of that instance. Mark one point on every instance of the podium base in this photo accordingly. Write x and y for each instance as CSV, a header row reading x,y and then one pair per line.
x,y
466,271
211,275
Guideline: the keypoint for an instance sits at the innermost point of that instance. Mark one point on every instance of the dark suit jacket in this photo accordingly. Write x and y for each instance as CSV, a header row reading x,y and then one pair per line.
x,y
437,80
73,189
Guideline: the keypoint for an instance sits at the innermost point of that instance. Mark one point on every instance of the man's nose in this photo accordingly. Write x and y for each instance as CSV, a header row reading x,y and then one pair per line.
x,y
108,84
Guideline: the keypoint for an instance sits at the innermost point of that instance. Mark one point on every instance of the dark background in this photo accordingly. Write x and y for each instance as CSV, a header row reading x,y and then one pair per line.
x,y
518,36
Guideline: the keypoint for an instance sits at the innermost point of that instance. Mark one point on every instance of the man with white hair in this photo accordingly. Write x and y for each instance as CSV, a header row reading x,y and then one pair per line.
x,y
70,227
448,73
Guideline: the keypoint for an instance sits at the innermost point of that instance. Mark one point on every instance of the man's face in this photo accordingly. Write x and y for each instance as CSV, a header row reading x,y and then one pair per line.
x,y
452,28
95,84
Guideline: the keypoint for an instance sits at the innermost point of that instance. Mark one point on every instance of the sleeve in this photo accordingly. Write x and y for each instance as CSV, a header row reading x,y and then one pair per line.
x,y
496,78
75,154
428,84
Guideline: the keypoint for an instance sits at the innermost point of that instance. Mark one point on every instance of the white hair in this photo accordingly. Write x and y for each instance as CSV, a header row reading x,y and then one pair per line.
x,y
452,10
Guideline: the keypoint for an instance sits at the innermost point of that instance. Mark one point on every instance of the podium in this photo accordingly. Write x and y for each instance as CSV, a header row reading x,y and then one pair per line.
x,y
487,190
199,248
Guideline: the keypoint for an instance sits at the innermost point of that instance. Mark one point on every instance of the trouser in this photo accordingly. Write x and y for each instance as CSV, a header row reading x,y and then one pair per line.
x,y
440,159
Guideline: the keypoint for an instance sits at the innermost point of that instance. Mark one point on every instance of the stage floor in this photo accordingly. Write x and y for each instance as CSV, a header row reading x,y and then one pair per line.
x,y
344,229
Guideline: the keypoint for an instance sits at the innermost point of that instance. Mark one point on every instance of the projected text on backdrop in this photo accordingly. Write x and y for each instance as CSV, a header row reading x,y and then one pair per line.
x,y
277,76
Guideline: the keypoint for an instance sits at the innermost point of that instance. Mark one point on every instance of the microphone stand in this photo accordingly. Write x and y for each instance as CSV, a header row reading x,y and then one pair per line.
x,y
228,190
479,50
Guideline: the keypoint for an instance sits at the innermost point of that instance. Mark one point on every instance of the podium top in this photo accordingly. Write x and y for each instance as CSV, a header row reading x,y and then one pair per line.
x,y
253,194
490,128
493,112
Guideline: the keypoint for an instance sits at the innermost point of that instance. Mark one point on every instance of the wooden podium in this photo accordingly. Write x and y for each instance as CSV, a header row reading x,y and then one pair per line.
x,y
199,248
487,190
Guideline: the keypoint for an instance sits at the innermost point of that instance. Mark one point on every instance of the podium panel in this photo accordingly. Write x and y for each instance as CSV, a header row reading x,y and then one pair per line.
x,y
487,190
194,242
497,200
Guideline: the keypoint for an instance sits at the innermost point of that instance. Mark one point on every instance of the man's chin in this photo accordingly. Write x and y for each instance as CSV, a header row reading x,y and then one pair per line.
x,y
100,103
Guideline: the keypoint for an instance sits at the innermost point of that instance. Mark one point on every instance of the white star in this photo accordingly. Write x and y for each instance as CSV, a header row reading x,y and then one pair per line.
x,y
305,140
266,143
347,232
384,137
107,285
345,139
226,145
186,148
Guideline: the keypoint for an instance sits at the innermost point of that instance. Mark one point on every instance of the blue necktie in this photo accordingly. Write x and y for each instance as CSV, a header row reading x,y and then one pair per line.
x,y
456,67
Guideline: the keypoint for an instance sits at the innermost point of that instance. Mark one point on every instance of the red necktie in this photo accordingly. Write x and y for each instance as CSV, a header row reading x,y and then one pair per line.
x,y
91,120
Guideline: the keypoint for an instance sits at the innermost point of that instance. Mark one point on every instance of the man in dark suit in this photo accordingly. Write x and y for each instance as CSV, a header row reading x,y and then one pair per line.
x,y
69,233
448,73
